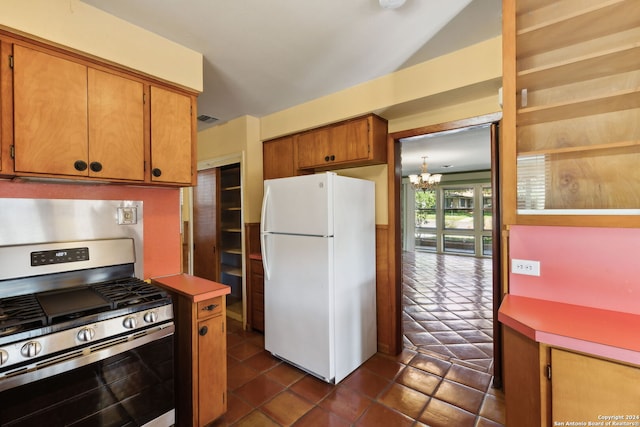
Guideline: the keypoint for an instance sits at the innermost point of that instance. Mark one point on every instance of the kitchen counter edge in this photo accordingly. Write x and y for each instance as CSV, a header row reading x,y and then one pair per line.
x,y
196,288
609,334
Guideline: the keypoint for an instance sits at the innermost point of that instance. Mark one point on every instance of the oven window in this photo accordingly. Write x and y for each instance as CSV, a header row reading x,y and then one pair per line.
x,y
128,389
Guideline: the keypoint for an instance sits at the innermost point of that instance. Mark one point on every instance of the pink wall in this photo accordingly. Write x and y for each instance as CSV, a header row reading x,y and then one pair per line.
x,y
594,267
162,243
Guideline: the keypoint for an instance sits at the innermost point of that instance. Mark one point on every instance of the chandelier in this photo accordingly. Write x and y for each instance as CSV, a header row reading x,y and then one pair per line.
x,y
425,181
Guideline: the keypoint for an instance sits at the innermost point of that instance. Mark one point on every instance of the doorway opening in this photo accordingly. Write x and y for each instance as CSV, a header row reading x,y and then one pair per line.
x,y
218,236
448,243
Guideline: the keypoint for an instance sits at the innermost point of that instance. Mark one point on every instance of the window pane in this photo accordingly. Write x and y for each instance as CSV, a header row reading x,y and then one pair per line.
x,y
487,246
425,209
458,208
459,244
425,241
487,213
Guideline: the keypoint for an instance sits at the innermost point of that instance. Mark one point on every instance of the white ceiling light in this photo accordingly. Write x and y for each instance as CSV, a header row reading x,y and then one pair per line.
x,y
391,4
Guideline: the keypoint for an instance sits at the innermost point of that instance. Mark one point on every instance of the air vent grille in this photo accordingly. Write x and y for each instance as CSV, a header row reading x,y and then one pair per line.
x,y
206,119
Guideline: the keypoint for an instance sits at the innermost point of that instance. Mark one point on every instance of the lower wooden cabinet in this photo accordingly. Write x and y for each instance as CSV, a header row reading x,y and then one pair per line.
x,y
201,368
548,386
586,389
526,387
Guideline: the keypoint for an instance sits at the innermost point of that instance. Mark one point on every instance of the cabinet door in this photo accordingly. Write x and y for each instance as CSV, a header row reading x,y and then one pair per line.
x,y
350,141
584,388
50,113
314,148
212,371
171,129
277,158
116,126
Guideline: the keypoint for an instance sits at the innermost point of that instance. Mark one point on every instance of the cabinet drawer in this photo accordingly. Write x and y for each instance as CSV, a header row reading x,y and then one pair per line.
x,y
210,307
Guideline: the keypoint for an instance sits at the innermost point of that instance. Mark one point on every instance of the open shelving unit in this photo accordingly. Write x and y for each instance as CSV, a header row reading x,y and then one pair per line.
x,y
231,232
577,95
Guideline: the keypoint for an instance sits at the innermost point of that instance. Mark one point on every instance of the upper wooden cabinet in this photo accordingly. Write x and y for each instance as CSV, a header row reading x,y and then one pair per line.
x,y
50,114
64,115
357,142
352,143
70,119
172,123
571,108
278,158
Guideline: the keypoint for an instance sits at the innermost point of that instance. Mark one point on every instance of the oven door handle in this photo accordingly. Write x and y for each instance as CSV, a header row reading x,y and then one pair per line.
x,y
99,351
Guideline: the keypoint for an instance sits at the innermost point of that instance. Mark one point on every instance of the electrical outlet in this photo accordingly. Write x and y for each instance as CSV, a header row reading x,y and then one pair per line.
x,y
127,215
526,267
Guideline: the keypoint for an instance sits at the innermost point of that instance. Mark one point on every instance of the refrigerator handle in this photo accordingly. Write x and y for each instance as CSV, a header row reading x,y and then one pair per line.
x,y
263,237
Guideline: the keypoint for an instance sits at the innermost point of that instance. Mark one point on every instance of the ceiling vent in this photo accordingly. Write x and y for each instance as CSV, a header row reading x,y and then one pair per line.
x,y
207,119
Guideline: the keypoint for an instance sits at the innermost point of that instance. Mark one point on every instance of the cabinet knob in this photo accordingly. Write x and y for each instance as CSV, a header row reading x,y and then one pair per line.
x,y
156,172
203,331
80,165
333,157
95,166
326,158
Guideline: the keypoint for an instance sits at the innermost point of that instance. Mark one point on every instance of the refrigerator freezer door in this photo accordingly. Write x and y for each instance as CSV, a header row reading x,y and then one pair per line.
x,y
299,317
298,205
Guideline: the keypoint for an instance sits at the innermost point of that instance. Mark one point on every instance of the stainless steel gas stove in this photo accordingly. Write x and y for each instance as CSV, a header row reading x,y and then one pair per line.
x,y
74,317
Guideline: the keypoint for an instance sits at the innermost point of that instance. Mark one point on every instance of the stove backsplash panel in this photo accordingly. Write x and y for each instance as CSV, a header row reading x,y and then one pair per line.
x,y
28,221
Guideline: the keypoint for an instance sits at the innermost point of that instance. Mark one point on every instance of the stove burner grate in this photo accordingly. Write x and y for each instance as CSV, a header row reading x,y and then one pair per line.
x,y
129,291
20,313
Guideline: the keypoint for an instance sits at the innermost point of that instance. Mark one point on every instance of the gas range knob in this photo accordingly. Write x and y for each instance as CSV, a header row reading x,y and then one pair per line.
x,y
86,334
4,356
129,322
31,349
150,317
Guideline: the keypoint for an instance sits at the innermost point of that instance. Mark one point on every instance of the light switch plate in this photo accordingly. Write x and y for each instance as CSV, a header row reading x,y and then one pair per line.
x,y
526,267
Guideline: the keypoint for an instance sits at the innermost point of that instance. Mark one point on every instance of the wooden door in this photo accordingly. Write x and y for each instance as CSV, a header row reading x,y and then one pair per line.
x,y
116,126
171,128
50,113
212,372
205,225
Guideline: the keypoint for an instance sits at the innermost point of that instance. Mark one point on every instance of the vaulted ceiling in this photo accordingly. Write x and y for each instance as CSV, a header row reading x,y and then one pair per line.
x,y
265,56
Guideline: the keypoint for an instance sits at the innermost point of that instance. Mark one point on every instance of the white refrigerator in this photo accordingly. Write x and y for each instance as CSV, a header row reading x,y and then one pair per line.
x,y
318,251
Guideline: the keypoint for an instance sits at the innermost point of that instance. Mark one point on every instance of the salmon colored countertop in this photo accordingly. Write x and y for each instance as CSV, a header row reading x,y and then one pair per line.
x,y
604,333
196,288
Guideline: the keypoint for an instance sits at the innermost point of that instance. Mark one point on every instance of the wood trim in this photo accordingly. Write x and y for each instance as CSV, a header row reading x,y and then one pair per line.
x,y
6,109
252,247
508,128
384,301
497,257
441,127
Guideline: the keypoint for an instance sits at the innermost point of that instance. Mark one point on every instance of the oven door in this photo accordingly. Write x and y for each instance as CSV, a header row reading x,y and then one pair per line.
x,y
133,387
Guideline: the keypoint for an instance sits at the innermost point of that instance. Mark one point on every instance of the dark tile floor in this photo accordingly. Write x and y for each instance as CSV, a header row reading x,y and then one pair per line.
x,y
441,378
